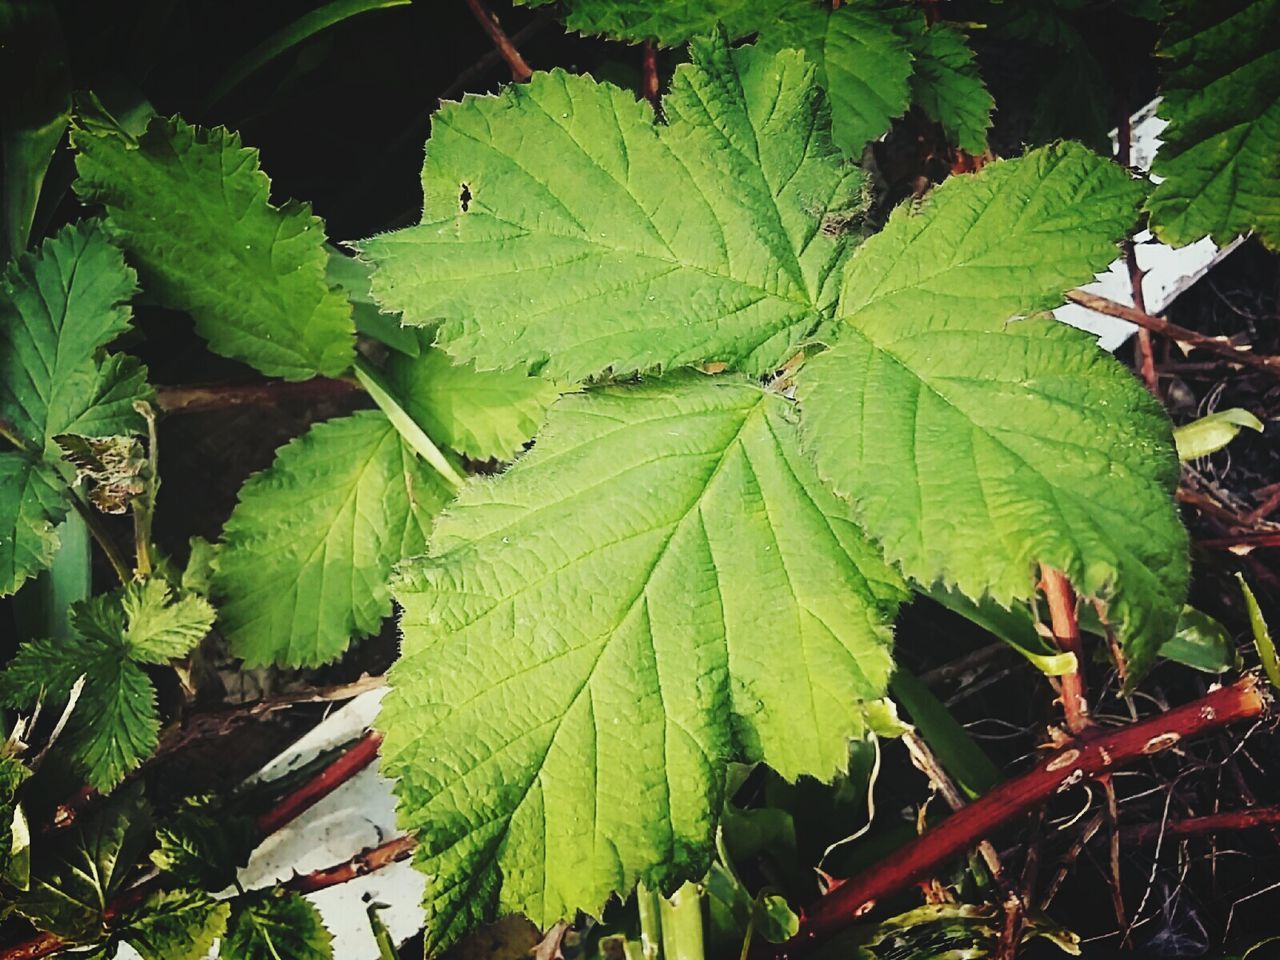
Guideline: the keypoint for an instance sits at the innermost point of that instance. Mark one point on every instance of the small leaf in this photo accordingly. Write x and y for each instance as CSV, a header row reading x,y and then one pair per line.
x,y
190,206
483,415
176,925
946,85
592,238
203,846
79,871
1211,433
668,23
1261,635
1202,643
275,925
15,838
610,611
974,444
115,725
1219,157
305,556
159,627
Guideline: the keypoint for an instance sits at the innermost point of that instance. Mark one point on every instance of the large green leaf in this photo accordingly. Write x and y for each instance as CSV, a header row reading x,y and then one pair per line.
x,y
275,925
1220,154
862,63
190,205
79,871
306,555
487,414
601,629
975,447
563,226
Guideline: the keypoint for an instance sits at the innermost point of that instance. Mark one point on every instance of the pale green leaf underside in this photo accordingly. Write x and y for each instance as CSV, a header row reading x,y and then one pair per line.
x,y
1220,154
594,238
33,500
191,207
305,556
484,415
662,585
274,925
974,447
861,62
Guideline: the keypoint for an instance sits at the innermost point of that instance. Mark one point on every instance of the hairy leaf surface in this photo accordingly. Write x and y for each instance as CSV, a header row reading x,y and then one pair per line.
x,y
190,205
1220,154
600,629
306,555
861,62
975,447
564,227
488,414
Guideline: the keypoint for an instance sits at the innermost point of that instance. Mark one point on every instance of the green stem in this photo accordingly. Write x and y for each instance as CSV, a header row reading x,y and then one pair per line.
x,y
650,922
413,434
144,507
682,924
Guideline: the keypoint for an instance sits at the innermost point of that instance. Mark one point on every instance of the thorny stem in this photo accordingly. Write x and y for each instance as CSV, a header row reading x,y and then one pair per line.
x,y
362,864
1145,355
201,399
1219,345
1066,633
520,71
352,761
1094,753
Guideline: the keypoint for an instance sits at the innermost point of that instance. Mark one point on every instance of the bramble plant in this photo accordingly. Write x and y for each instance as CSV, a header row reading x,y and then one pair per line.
x,y
665,425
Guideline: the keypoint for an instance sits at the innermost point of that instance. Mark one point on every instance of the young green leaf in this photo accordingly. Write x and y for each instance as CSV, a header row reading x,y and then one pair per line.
x,y
596,634
975,447
273,925
563,227
203,845
1220,155
190,206
484,415
158,626
115,725
305,556
176,925
861,62
80,870
1211,433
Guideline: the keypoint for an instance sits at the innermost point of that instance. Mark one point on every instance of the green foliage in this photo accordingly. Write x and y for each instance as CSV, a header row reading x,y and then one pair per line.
x,y
573,252
946,85
1019,442
83,868
483,415
861,61
669,23
114,723
15,839
1212,432
190,206
59,308
176,925
603,613
306,555
203,845
1220,154
273,925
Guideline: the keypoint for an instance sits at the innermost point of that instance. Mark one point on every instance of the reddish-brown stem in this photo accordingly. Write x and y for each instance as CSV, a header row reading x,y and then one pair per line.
x,y
1244,541
352,761
201,399
1211,823
649,87
1145,355
520,71
1066,633
363,863
1094,753
1218,345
